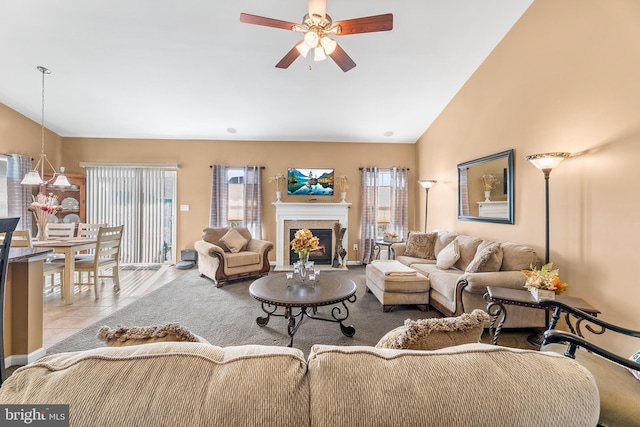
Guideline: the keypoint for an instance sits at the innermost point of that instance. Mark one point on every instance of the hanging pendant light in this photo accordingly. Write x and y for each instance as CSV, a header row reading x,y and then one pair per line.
x,y
36,177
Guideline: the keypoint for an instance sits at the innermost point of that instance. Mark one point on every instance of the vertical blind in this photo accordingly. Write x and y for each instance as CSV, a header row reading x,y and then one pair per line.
x,y
133,197
18,195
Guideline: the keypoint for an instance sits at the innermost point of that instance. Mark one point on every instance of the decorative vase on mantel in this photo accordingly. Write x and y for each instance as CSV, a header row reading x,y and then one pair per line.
x,y
542,294
343,196
278,196
487,194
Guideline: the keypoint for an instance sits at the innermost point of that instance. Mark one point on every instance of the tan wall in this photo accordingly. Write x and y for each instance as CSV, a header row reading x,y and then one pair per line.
x,y
194,175
21,135
564,79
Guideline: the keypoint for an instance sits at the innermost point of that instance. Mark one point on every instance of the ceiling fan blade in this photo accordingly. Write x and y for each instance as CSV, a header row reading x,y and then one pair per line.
x,y
318,7
288,59
368,24
267,22
341,58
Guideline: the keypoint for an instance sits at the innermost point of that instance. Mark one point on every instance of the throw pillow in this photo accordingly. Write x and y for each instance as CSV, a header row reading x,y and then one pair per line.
x,y
421,245
123,336
434,334
448,256
488,258
233,240
635,358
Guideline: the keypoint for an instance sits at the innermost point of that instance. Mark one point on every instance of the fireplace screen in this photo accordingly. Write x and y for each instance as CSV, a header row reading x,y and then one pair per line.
x,y
324,254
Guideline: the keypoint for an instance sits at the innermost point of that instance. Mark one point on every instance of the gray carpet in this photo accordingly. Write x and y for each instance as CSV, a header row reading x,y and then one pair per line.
x,y
227,316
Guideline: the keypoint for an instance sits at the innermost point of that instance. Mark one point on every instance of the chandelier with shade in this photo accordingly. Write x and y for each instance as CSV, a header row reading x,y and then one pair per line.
x,y
36,176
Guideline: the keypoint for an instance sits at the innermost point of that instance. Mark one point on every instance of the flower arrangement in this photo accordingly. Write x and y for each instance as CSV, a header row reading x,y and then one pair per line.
x,y
279,179
304,242
342,183
44,208
489,182
546,279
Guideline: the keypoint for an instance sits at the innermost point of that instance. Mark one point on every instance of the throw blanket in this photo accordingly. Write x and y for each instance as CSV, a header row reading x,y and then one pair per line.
x,y
393,268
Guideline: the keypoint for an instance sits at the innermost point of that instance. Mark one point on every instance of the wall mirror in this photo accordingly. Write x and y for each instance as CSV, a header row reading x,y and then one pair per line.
x,y
485,189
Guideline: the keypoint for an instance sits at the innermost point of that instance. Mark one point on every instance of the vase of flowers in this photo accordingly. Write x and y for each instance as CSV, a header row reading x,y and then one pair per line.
x,y
302,244
279,179
489,182
544,283
44,208
342,185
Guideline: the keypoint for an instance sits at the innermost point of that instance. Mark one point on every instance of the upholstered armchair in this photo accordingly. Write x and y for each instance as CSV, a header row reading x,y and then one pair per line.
x,y
231,253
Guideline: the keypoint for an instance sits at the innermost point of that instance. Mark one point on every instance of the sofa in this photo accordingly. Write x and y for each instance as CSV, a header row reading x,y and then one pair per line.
x,y
198,384
231,253
459,287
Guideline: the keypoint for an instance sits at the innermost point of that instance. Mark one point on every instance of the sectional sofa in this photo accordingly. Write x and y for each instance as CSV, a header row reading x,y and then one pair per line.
x,y
460,287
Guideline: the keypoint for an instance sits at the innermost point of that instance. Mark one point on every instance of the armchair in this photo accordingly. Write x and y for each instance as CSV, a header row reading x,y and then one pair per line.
x,y
231,253
619,390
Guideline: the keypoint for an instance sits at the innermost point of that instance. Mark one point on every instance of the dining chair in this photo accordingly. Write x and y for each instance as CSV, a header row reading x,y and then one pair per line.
x,y
21,239
106,256
89,230
7,226
61,229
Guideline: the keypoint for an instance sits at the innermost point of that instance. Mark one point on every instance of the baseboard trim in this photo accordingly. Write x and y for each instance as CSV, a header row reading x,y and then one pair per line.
x,y
25,359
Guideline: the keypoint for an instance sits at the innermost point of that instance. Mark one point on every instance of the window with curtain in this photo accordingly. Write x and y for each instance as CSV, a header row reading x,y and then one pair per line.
x,y
236,198
17,196
132,196
384,202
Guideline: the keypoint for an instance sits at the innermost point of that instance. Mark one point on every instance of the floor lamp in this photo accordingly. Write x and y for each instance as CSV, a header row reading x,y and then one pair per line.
x,y
546,162
426,184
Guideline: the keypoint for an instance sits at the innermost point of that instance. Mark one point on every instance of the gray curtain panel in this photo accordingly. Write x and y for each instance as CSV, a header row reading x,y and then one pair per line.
x,y
399,201
369,208
253,200
219,197
19,195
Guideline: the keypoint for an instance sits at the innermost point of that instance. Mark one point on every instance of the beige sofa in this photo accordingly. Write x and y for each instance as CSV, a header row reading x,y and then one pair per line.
x,y
197,384
455,291
222,258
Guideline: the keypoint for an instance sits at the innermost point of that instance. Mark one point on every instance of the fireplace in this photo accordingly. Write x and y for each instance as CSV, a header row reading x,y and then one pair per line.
x,y
293,216
324,255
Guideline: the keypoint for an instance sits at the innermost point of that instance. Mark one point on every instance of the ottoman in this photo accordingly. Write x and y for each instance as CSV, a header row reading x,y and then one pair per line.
x,y
394,283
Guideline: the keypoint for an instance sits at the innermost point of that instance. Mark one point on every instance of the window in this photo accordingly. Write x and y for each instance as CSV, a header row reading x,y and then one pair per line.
x,y
383,219
235,201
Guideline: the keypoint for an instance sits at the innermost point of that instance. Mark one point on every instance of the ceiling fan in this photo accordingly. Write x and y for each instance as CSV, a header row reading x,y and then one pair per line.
x,y
317,28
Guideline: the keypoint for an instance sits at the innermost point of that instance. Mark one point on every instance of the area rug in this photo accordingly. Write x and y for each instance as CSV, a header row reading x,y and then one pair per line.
x,y
226,316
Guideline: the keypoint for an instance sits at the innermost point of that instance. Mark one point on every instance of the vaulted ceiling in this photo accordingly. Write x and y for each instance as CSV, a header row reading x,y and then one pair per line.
x,y
191,70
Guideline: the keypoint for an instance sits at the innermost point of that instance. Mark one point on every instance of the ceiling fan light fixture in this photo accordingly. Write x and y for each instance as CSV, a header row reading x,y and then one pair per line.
x,y
328,44
318,54
311,39
303,49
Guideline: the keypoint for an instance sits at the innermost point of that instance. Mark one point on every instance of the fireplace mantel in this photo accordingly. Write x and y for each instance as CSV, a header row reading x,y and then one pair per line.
x,y
335,212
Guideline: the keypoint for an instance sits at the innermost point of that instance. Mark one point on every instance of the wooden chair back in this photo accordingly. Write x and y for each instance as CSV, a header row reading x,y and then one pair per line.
x,y
89,230
21,239
61,230
107,251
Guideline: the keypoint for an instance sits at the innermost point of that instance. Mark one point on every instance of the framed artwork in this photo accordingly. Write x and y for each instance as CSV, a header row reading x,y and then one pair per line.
x,y
310,182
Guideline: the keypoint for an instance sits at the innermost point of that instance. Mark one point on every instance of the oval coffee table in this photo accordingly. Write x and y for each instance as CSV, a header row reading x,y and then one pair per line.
x,y
274,292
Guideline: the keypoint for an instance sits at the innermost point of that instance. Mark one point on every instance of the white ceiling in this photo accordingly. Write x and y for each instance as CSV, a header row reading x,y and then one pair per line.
x,y
188,69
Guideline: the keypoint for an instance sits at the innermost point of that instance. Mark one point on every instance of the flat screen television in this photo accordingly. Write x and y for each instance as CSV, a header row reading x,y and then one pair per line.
x,y
310,182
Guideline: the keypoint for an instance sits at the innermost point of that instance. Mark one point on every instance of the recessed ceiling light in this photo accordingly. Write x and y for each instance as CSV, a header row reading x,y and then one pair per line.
x,y
388,133
232,130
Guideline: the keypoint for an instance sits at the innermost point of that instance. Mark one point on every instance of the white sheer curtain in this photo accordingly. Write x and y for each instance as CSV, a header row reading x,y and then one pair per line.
x,y
253,200
19,196
132,196
369,182
399,200
219,205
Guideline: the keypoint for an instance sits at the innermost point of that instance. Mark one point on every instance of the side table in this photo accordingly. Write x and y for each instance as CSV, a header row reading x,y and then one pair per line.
x,y
380,243
497,298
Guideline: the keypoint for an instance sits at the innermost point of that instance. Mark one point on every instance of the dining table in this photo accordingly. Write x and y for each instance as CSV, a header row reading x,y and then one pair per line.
x,y
69,247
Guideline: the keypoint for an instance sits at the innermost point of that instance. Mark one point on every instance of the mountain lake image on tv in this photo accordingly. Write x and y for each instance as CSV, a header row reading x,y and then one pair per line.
x,y
310,182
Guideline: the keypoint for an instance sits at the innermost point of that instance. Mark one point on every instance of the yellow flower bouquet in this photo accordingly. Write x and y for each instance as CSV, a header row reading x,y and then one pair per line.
x,y
304,242
546,279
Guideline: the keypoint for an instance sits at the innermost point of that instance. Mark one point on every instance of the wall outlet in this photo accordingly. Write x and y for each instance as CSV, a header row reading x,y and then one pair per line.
x,y
355,246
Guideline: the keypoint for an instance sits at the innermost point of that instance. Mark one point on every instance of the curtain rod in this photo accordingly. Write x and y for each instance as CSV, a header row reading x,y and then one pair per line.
x,y
130,165
387,168
237,167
